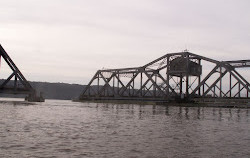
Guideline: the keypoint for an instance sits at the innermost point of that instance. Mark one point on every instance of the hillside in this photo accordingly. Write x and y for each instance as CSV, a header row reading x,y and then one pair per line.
x,y
53,90
58,90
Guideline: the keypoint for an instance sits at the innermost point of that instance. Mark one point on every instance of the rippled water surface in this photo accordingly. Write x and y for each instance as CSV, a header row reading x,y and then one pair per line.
x,y
69,129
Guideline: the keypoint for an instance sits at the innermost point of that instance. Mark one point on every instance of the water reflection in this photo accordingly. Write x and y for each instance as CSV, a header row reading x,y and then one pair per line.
x,y
197,113
65,129
167,111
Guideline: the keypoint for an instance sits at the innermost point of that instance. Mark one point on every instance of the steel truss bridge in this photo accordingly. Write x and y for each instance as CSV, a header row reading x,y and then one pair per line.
x,y
174,76
19,85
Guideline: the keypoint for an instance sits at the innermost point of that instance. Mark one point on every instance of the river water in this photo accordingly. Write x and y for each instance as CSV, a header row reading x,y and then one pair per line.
x,y
58,128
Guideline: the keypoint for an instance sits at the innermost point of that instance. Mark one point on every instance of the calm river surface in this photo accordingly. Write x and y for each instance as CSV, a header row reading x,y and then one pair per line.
x,y
59,128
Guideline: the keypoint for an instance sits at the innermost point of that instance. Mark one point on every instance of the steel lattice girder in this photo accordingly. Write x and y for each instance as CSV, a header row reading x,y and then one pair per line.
x,y
24,87
153,79
27,88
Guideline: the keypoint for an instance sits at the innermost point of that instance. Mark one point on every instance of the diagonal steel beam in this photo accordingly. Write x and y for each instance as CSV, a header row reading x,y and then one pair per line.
x,y
150,78
239,91
215,82
148,90
238,77
7,80
106,83
91,81
128,84
219,89
119,81
15,69
230,89
140,90
168,86
204,80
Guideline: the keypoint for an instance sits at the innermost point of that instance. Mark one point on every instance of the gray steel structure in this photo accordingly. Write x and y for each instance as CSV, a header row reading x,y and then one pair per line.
x,y
19,85
174,76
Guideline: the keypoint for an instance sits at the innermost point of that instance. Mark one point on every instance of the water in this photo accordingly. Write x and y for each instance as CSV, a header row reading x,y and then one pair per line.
x,y
70,129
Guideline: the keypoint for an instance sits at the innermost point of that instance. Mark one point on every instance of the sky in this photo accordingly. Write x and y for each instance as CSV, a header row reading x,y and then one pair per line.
x,y
69,40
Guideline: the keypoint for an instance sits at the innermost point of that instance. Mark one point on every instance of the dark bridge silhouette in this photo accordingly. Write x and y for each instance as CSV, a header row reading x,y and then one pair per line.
x,y
180,76
19,85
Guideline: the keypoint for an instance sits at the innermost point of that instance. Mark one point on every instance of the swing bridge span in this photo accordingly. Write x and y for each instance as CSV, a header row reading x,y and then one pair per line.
x,y
182,76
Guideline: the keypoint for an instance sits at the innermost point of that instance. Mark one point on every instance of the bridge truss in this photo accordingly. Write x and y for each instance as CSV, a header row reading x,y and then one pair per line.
x,y
16,83
170,77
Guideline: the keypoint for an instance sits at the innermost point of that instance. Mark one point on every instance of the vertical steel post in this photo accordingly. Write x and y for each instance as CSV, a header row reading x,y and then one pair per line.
x,y
98,83
230,85
118,76
141,85
247,92
114,85
155,85
168,68
133,83
203,90
15,83
214,91
199,79
239,89
180,84
187,74
129,93
220,81
187,86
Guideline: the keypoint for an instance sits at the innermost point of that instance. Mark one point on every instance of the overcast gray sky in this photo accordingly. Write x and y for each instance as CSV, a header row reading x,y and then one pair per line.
x,y
68,40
